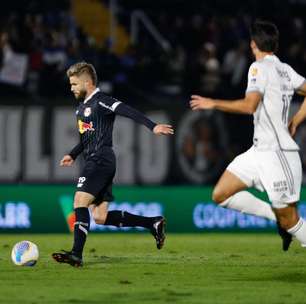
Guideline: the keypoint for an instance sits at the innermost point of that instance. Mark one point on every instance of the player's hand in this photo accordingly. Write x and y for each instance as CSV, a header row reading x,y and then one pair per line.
x,y
292,127
66,161
201,103
161,129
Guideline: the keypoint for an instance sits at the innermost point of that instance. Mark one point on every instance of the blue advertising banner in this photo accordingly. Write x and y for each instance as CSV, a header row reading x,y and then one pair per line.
x,y
49,208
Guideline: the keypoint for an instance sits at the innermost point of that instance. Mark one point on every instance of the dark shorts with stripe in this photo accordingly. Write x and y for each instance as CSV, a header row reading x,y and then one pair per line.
x,y
97,176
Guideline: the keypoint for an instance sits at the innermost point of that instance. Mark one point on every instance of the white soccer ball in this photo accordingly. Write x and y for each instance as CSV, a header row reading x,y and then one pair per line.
x,y
25,253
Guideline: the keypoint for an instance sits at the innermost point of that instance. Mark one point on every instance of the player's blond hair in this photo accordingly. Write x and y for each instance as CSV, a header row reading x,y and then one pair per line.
x,y
83,67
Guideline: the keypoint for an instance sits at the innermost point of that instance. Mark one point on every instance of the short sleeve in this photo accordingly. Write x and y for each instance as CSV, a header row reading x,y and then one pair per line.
x,y
296,79
257,78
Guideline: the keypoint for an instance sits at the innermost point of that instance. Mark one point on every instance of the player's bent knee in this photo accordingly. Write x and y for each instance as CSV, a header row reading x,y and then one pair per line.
x,y
100,218
82,199
79,204
99,221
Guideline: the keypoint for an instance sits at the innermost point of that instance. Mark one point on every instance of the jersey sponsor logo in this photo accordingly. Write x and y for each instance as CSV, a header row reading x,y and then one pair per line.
x,y
254,71
81,181
280,186
85,126
283,74
285,87
87,112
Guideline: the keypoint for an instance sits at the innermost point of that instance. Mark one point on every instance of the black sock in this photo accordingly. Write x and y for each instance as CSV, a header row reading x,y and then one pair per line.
x,y
81,228
125,219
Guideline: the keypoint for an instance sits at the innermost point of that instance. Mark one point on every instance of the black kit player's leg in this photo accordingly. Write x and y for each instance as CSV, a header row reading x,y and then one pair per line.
x,y
81,228
118,218
156,224
125,219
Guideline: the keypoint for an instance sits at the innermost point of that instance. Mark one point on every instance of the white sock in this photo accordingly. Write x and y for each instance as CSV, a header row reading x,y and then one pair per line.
x,y
246,202
299,231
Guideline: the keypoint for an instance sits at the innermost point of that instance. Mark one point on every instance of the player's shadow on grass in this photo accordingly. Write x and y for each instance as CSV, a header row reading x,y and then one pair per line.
x,y
292,277
107,260
94,260
78,301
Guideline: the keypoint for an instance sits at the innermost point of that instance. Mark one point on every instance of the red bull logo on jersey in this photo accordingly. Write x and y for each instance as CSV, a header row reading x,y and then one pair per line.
x,y
85,126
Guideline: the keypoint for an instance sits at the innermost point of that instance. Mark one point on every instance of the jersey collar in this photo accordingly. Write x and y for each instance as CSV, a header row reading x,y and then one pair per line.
x,y
271,57
92,94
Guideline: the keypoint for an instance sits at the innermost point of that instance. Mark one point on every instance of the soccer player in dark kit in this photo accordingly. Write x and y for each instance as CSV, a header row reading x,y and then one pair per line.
x,y
95,117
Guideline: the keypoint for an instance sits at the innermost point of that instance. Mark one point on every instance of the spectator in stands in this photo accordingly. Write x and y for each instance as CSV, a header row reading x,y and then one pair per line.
x,y
234,66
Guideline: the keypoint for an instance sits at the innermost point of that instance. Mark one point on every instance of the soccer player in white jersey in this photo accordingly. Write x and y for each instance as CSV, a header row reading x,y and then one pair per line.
x,y
272,163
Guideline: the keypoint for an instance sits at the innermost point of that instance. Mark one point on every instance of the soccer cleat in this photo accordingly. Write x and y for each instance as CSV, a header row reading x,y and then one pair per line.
x,y
67,257
286,236
158,231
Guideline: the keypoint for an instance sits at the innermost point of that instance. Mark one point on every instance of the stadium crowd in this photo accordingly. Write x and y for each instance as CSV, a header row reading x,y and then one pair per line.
x,y
209,51
209,55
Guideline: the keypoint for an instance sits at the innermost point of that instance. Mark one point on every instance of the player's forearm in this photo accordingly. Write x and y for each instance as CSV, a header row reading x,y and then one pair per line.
x,y
302,89
76,151
300,116
127,111
239,106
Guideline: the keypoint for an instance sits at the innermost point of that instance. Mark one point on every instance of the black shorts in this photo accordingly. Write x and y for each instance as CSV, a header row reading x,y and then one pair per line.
x,y
97,177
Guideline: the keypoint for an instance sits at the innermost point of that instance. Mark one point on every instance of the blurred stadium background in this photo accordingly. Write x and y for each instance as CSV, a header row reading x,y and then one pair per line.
x,y
152,55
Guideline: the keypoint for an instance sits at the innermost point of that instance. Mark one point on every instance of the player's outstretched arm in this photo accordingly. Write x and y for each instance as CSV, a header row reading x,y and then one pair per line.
x,y
202,103
66,161
247,105
162,129
159,129
298,118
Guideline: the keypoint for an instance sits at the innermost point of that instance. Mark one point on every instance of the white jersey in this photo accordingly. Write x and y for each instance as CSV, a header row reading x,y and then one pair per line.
x,y
276,82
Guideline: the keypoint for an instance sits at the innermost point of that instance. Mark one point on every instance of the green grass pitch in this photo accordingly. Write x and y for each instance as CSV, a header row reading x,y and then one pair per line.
x,y
127,268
